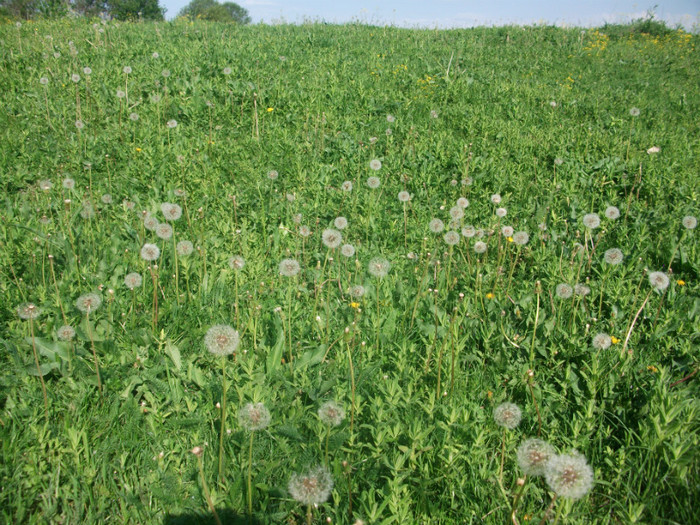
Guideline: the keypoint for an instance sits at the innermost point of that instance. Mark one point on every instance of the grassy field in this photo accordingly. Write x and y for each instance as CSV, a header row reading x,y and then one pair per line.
x,y
417,226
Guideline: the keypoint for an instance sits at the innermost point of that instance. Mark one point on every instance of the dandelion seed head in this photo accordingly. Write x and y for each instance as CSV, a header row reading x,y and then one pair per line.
x,y
45,185
373,182
346,186
28,311
79,124
312,487
451,238
404,196
390,119
501,212
171,123
150,222
171,212
133,117
436,225
602,341
164,230
133,280
66,333
237,262
331,413
127,70
357,291
613,256
289,267
331,238
375,164
304,231
581,289
87,210
457,212
254,416
348,250
150,252
507,231
507,415
469,231
184,248
659,280
634,112
221,339
533,455
564,291
379,267
689,222
341,223
496,198
75,77
43,81
521,238
88,303
591,221
463,202
569,476
480,247
120,93
87,71
227,71
612,212
106,198
165,73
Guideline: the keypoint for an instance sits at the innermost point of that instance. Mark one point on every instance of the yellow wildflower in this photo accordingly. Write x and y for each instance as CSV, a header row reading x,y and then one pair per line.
x,y
652,369
138,149
680,282
354,305
509,239
490,295
270,109
614,340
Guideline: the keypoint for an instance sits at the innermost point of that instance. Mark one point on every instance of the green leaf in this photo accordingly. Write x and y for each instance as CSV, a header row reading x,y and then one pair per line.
x,y
174,353
274,358
310,358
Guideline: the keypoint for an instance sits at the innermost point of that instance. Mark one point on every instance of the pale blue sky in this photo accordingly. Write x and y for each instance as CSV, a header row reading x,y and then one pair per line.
x,y
463,13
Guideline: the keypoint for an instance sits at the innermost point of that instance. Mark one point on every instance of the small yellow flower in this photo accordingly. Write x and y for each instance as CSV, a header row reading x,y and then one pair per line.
x,y
509,239
680,282
354,305
138,149
652,369
614,340
270,109
489,394
490,295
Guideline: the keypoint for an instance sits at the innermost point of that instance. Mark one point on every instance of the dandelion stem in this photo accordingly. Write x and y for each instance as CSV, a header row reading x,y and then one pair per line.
x,y
38,369
516,500
534,328
94,352
223,418
207,495
629,330
549,510
352,388
250,474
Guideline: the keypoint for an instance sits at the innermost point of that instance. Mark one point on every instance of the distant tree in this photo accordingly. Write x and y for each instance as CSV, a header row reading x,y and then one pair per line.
x,y
89,7
18,9
214,11
135,9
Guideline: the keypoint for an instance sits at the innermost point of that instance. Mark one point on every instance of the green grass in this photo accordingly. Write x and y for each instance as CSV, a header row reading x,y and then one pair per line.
x,y
539,115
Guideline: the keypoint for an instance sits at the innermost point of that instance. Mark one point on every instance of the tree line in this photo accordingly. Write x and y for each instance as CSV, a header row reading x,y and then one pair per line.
x,y
210,10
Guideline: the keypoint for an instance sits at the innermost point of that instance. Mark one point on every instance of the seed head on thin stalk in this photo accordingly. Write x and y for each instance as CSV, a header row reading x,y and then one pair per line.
x,y
533,455
253,417
222,340
311,488
88,303
29,312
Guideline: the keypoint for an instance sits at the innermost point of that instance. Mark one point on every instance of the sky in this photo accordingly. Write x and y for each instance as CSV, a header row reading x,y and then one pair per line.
x,y
463,13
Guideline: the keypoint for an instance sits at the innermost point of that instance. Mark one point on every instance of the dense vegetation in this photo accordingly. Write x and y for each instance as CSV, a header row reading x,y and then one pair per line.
x,y
173,201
